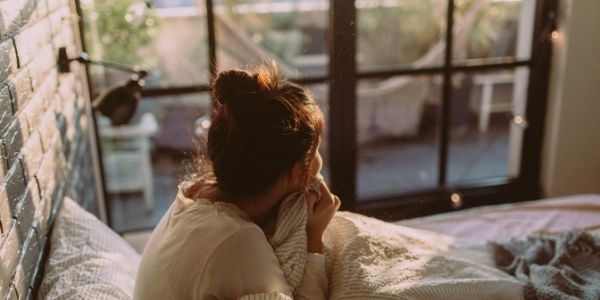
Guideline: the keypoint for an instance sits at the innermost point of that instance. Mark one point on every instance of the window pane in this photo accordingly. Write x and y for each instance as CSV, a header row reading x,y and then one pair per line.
x,y
493,29
320,93
290,32
146,167
397,135
168,40
485,139
400,33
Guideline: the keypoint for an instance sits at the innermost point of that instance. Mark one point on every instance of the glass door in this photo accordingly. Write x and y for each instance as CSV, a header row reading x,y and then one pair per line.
x,y
412,126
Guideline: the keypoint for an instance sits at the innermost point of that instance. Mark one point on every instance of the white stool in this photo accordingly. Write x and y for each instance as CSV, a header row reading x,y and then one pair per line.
x,y
126,155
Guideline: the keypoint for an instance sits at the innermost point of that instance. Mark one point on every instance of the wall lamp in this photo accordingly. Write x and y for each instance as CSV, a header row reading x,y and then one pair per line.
x,y
118,103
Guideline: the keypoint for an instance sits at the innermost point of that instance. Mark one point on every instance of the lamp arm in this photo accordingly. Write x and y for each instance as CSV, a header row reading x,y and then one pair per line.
x,y
63,63
84,58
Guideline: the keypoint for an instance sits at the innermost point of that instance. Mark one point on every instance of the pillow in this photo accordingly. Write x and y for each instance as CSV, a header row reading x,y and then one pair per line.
x,y
87,260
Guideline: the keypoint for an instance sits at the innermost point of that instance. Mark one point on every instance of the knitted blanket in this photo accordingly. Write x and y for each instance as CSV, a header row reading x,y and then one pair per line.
x,y
560,267
370,259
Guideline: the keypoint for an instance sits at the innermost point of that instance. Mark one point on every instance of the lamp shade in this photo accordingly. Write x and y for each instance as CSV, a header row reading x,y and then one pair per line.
x,y
119,103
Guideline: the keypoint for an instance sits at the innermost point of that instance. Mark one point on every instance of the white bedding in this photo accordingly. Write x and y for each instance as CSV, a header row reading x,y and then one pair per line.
x,y
371,259
87,260
520,219
77,232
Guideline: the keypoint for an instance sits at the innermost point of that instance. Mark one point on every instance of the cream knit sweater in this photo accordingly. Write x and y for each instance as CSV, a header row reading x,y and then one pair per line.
x,y
206,250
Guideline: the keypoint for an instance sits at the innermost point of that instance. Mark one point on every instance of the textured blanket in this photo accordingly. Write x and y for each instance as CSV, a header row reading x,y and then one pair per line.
x,y
370,259
560,267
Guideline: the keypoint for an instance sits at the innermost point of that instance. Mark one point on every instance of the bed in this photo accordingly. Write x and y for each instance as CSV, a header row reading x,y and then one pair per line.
x,y
89,261
521,219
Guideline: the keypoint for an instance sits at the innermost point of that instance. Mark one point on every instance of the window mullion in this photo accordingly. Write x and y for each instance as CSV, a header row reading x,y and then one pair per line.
x,y
342,100
446,95
212,43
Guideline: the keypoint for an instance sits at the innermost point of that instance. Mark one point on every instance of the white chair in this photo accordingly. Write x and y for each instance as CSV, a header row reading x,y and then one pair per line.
x,y
126,154
486,107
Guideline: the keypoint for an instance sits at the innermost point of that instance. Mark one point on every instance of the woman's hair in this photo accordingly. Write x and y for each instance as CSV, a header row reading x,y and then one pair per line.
x,y
261,127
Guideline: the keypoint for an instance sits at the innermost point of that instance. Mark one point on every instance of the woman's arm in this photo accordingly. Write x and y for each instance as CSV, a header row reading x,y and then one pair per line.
x,y
314,284
320,211
244,264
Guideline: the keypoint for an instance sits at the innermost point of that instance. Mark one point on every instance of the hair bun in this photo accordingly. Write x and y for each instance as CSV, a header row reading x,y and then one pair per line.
x,y
233,86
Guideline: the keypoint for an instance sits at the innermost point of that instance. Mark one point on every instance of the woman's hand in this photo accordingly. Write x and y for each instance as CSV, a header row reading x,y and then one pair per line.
x,y
319,214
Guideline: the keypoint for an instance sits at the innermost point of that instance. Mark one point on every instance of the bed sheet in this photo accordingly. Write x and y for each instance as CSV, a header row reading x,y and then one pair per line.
x,y
516,220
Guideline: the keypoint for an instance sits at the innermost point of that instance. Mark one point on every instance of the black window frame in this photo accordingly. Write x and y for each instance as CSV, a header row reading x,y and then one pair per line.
x,y
342,114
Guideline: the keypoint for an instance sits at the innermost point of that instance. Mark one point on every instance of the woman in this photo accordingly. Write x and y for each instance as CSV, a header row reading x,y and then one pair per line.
x,y
212,242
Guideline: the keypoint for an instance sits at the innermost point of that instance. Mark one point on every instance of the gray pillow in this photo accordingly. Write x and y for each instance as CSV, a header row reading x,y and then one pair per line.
x,y
87,260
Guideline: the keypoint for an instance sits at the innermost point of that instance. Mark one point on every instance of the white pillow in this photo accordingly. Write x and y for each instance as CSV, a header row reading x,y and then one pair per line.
x,y
87,260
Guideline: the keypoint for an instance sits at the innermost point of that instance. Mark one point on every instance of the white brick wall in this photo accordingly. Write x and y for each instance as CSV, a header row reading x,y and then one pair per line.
x,y
44,140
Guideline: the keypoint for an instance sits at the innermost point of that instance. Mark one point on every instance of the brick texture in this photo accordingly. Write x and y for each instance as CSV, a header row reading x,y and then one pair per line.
x,y
44,140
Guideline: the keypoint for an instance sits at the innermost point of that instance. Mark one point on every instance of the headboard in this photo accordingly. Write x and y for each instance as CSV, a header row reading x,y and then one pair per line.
x,y
45,143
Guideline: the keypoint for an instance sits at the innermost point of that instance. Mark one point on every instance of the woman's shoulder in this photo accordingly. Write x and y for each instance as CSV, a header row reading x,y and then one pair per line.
x,y
192,199
191,223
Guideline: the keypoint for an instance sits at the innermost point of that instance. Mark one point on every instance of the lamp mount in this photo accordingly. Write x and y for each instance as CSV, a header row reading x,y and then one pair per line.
x,y
64,64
